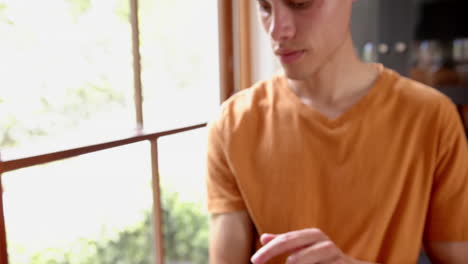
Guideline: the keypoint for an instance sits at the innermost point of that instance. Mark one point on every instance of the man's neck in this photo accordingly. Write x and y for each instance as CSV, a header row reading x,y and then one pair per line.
x,y
338,84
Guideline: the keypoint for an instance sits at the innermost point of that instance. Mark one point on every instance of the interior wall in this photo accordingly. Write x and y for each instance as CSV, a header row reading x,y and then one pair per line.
x,y
363,26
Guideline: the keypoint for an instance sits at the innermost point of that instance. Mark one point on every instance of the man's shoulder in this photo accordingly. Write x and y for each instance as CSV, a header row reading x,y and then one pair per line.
x,y
416,95
257,94
250,101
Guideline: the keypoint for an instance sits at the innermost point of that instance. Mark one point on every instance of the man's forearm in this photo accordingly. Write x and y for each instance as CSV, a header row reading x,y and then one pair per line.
x,y
231,238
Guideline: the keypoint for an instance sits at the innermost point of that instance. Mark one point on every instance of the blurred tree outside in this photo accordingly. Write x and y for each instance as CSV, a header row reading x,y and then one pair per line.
x,y
69,70
185,229
79,7
3,17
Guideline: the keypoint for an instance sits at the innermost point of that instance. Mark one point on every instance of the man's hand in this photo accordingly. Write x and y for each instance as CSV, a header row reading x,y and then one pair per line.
x,y
308,246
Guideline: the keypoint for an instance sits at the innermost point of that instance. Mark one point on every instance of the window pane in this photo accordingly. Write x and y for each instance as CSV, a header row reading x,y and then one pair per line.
x,y
95,208
179,49
185,222
66,70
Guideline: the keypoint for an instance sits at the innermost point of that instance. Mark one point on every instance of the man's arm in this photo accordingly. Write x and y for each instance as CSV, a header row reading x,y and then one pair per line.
x,y
447,252
231,238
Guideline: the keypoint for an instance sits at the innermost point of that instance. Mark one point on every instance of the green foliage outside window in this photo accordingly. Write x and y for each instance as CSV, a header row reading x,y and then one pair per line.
x,y
185,231
79,7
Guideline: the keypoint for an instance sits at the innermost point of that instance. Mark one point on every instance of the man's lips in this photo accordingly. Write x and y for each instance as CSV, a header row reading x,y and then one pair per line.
x,y
289,56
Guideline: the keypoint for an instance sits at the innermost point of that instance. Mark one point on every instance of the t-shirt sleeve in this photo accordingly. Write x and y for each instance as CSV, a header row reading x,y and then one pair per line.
x,y
223,194
448,210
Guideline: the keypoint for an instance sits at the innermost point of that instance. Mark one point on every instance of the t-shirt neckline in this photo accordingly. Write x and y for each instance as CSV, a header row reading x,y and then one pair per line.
x,y
355,110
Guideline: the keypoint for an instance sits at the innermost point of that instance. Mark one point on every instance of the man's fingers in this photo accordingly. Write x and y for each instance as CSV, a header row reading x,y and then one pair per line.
x,y
287,242
321,252
265,238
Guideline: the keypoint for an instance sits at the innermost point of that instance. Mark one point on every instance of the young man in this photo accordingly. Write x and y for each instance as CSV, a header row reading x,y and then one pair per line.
x,y
335,161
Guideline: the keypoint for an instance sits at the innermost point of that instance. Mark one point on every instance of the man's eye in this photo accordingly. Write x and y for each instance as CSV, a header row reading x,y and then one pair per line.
x,y
264,5
299,5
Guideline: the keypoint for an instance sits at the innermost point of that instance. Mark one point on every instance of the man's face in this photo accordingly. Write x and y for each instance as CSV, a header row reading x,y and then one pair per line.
x,y
305,33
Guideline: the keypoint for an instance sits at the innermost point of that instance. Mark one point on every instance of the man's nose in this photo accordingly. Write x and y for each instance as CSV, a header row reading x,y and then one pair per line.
x,y
282,24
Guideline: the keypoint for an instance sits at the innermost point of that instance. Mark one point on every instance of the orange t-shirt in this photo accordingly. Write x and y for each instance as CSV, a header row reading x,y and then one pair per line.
x,y
388,173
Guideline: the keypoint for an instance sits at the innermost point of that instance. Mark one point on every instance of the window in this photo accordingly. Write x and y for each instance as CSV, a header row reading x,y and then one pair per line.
x,y
94,208
185,223
179,61
68,86
68,75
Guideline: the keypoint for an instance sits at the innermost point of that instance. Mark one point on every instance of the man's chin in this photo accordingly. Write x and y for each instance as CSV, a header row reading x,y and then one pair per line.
x,y
299,72
294,73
